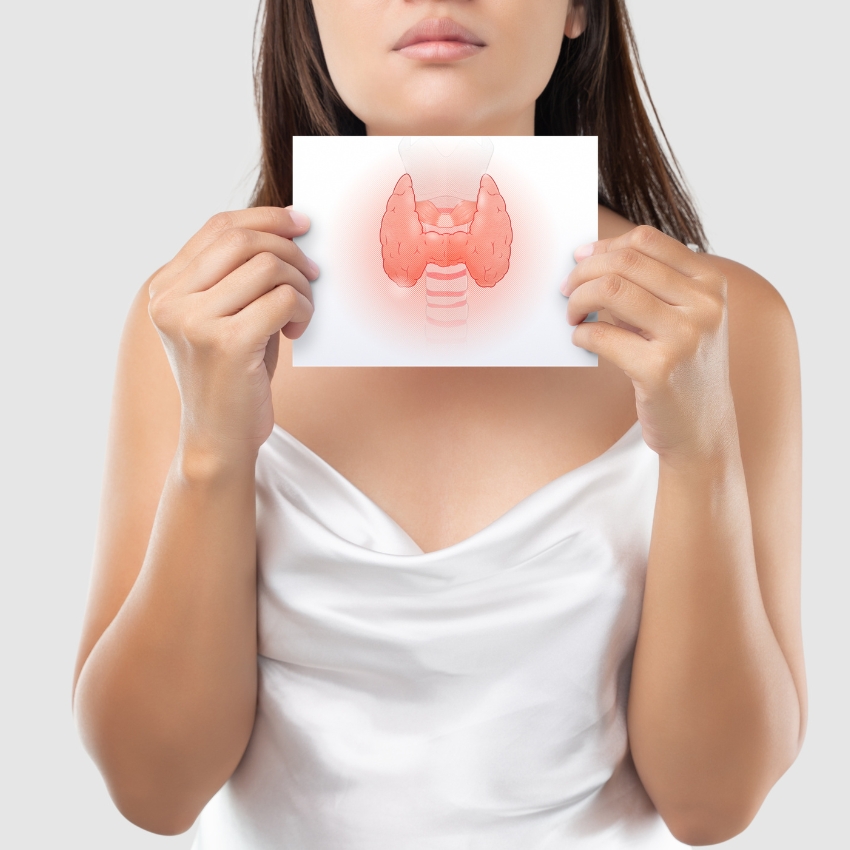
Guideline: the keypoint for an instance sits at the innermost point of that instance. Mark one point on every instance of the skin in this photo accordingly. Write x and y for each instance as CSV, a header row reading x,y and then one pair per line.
x,y
701,349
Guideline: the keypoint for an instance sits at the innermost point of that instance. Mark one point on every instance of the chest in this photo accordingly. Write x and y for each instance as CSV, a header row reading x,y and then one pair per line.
x,y
445,452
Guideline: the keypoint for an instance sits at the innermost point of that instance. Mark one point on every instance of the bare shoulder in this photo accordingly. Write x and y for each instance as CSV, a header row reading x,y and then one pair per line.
x,y
764,358
755,306
761,329
763,355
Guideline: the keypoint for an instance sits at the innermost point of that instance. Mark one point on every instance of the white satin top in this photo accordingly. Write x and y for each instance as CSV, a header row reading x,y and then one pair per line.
x,y
471,698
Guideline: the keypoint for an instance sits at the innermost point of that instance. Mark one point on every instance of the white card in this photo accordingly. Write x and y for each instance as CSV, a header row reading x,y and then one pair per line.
x,y
443,250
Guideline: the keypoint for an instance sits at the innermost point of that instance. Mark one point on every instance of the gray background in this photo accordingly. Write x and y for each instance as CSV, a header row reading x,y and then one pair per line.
x,y
124,126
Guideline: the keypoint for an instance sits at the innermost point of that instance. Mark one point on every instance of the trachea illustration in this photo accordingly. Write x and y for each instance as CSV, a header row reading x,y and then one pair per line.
x,y
446,222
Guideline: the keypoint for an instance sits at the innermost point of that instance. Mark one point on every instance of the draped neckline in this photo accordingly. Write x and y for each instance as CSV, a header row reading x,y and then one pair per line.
x,y
317,460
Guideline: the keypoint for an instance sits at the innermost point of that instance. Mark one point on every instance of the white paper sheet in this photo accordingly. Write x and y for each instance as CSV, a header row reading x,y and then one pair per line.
x,y
456,264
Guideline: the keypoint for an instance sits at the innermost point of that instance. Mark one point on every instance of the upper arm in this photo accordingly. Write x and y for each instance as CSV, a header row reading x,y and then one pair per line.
x,y
143,433
765,378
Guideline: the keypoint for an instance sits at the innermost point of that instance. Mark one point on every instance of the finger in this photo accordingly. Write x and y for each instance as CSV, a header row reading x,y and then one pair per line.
x,y
623,348
230,251
293,330
625,301
280,221
251,281
273,311
653,243
655,277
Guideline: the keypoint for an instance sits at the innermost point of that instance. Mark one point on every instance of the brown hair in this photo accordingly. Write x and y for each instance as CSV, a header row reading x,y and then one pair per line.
x,y
595,89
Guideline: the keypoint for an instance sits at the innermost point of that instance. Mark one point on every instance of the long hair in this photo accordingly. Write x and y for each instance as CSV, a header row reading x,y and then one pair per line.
x,y
595,90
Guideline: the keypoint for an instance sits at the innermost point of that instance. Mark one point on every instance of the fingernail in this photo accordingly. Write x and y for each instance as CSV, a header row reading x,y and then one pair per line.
x,y
563,286
298,218
583,252
313,267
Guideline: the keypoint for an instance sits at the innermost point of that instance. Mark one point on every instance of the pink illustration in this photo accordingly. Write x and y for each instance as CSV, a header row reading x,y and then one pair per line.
x,y
446,222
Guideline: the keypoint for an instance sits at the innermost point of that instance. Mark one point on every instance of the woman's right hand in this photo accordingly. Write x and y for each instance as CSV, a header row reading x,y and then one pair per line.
x,y
218,307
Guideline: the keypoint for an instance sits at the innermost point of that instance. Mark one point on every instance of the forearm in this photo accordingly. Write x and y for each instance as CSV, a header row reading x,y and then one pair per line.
x,y
714,715
166,698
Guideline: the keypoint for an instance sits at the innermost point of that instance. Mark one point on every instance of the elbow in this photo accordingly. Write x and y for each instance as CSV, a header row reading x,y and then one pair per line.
x,y
153,782
162,817
701,826
712,816
712,806
156,800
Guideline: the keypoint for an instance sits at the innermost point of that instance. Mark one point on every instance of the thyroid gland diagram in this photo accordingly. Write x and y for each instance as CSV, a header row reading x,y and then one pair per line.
x,y
446,222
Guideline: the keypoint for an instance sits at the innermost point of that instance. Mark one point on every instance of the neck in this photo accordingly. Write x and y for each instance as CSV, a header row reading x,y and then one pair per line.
x,y
511,125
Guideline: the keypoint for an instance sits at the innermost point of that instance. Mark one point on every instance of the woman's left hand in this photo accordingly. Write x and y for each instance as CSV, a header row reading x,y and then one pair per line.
x,y
668,334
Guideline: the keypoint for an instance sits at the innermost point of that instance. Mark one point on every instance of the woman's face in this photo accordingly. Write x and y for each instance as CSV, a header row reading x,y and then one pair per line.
x,y
444,67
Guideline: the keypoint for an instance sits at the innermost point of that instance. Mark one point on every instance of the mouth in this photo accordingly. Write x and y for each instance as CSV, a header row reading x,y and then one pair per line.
x,y
438,40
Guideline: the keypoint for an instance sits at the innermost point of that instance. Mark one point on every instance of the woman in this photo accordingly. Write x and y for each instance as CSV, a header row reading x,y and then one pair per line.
x,y
454,635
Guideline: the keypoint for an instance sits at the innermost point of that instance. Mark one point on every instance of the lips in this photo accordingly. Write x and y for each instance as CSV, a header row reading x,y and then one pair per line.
x,y
438,38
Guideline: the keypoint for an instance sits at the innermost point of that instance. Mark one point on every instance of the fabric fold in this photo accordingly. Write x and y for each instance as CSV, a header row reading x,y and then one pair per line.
x,y
471,697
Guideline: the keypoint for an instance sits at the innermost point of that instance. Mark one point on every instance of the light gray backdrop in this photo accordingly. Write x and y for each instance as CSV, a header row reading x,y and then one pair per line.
x,y
124,126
